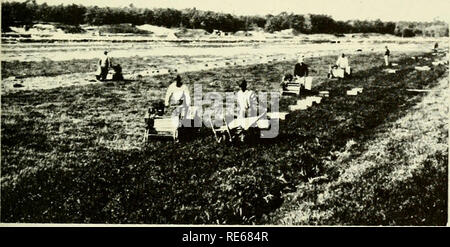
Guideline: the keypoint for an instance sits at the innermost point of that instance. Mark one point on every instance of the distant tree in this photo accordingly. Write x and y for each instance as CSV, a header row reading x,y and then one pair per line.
x,y
407,32
257,21
298,23
15,13
377,27
343,27
322,24
278,22
29,12
147,16
307,25
191,17
74,14
389,27
91,16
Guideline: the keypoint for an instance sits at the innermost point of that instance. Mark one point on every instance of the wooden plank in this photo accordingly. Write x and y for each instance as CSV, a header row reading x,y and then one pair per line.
x,y
279,115
161,135
422,68
352,92
305,102
324,93
298,107
423,90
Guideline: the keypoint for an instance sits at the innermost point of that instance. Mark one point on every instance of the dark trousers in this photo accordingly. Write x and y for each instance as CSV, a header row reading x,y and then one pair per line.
x,y
103,73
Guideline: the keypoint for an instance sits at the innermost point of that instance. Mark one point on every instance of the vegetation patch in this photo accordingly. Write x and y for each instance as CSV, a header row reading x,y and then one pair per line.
x,y
93,167
397,178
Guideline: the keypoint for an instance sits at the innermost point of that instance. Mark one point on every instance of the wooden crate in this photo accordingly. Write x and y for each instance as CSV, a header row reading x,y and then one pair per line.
x,y
164,127
279,115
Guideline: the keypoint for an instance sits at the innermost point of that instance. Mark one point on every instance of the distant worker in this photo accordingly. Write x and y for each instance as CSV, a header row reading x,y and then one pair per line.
x,y
246,100
178,97
387,54
436,45
104,64
300,69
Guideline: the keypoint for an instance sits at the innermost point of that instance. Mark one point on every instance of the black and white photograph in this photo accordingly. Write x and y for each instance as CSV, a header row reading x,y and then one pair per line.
x,y
224,113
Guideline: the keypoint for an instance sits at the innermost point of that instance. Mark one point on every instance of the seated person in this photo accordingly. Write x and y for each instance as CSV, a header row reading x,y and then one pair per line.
x,y
341,69
178,98
285,80
157,109
117,76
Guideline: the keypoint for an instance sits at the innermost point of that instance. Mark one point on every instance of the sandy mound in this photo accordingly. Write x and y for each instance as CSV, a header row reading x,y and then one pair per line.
x,y
191,33
41,30
158,31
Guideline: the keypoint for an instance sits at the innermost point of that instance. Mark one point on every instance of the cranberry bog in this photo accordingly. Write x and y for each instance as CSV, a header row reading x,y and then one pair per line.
x,y
47,65
75,154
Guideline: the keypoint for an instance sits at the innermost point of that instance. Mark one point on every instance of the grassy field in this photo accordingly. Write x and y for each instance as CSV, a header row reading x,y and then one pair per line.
x,y
75,154
398,177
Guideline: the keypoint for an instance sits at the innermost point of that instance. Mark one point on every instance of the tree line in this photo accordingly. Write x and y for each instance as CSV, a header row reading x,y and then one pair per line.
x,y
29,12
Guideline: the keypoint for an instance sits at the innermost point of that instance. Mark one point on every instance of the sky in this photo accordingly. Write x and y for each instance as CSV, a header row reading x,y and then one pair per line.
x,y
386,10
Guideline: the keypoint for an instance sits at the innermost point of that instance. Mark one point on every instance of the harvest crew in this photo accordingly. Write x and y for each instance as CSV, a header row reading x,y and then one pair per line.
x,y
246,100
104,63
387,53
178,96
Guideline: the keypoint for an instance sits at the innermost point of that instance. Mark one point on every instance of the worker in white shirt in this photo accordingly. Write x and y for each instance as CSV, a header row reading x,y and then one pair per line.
x,y
342,63
246,100
177,96
104,63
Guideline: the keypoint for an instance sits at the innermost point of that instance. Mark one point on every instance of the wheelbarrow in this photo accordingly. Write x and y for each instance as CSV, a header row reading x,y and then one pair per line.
x,y
240,128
